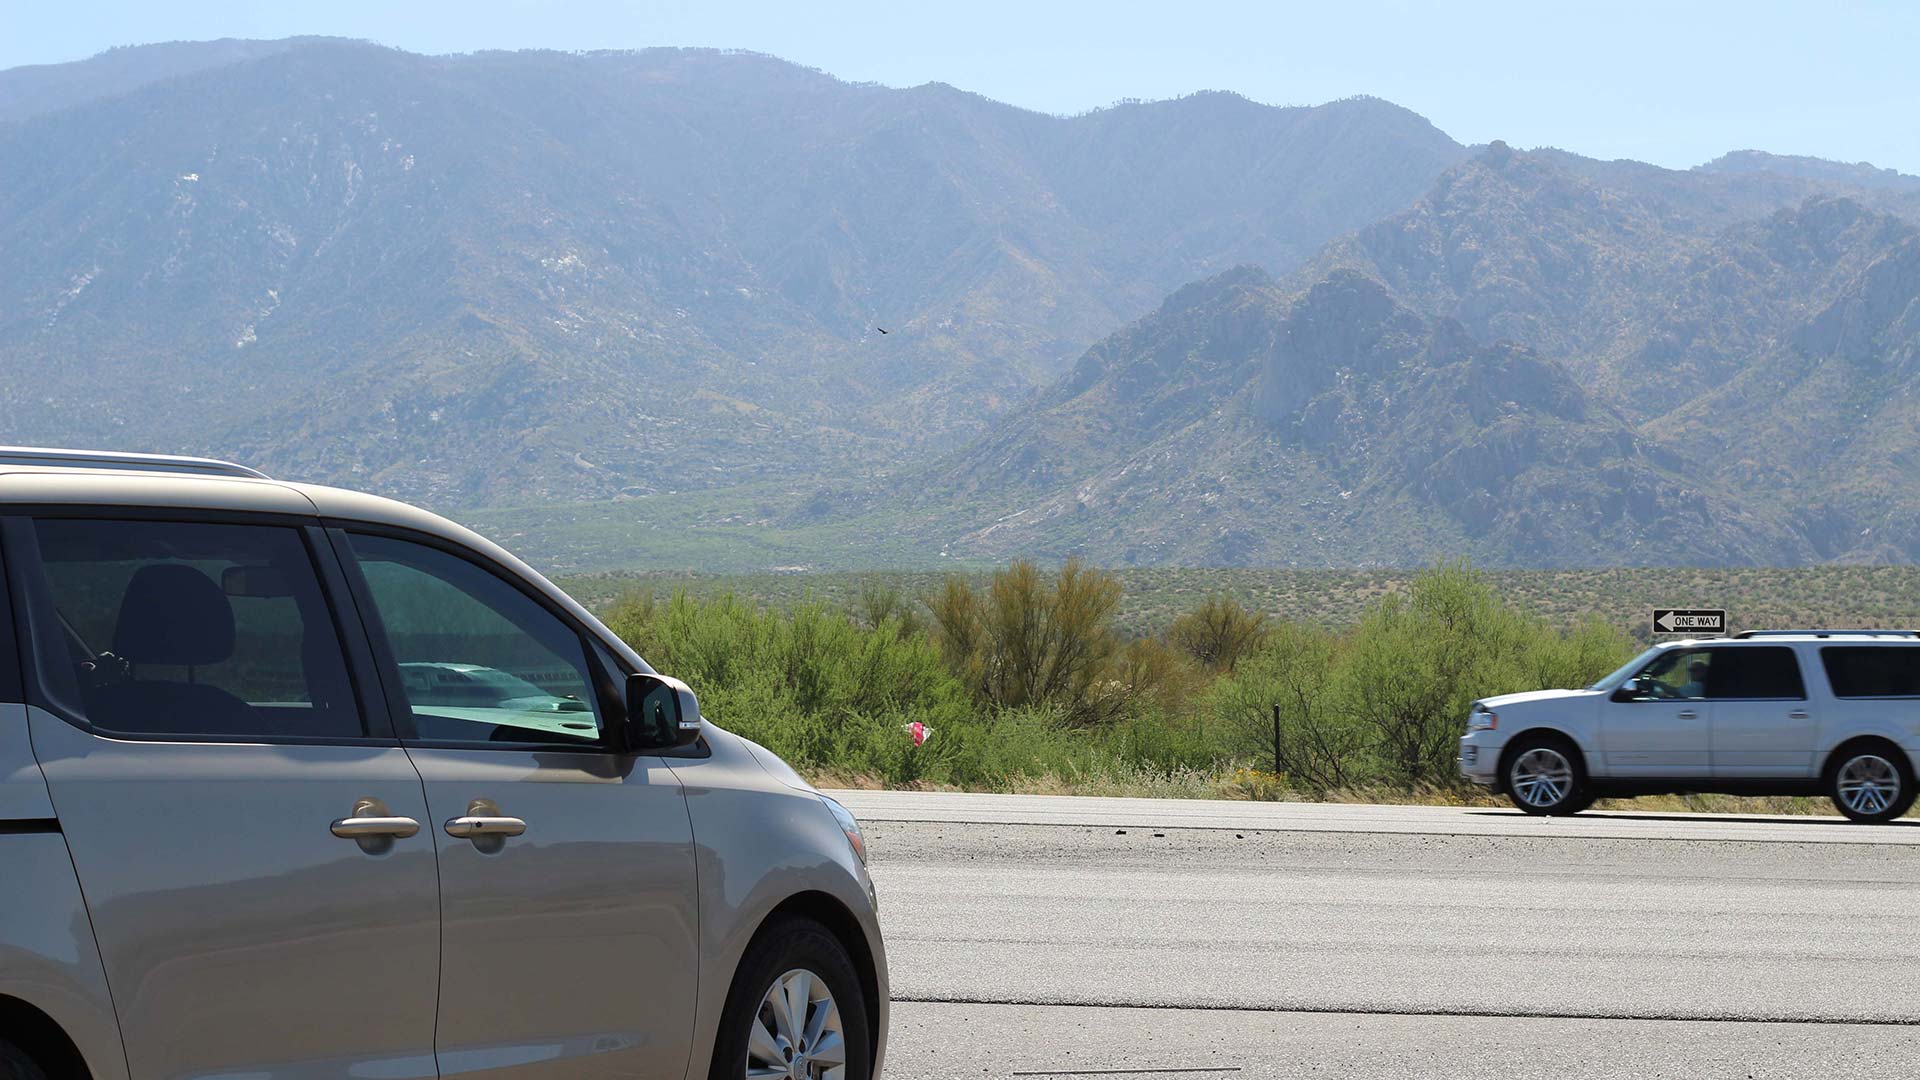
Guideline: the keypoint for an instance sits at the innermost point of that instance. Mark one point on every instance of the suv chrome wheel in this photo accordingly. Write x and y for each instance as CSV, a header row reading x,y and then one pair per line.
x,y
797,1033
1867,785
1541,778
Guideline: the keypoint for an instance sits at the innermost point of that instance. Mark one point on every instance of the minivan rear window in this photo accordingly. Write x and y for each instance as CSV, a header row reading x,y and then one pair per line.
x,y
198,629
1872,670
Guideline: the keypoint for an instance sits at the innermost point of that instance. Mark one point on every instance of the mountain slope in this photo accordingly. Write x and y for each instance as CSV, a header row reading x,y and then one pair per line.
x,y
1239,426
45,88
513,277
1827,422
1536,363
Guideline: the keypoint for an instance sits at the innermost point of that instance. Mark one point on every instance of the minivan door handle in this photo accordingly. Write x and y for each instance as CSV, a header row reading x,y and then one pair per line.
x,y
371,820
357,828
470,826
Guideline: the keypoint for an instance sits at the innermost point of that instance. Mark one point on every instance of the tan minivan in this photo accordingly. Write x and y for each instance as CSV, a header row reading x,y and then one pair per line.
x,y
299,783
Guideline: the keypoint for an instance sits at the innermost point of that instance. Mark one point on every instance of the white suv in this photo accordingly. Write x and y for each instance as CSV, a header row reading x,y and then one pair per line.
x,y
1773,712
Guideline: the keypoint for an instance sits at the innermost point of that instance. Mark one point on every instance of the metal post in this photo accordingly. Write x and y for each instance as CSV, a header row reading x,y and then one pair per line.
x,y
1276,739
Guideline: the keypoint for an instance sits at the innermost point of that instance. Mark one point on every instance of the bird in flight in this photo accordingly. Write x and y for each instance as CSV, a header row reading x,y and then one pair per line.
x,y
882,329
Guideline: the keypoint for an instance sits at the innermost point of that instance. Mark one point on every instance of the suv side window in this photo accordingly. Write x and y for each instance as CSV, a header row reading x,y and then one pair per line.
x,y
1756,671
479,661
1872,670
1678,675
170,628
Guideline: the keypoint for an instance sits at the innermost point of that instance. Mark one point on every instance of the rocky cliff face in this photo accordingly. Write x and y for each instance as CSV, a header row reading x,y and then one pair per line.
x,y
1337,426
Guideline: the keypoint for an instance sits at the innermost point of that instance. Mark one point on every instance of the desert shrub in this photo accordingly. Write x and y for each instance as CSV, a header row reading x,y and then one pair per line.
x,y
1035,639
1296,670
882,603
1026,683
811,685
1385,703
1576,657
1218,632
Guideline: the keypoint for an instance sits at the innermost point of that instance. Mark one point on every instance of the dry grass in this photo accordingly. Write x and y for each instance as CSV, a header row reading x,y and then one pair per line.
x,y
1252,785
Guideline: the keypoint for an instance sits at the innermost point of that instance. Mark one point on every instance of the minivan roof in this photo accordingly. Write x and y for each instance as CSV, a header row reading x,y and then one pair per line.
x,y
120,486
93,478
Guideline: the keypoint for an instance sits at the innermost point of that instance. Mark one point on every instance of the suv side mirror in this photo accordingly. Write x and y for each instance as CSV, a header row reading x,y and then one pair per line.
x,y
1628,691
662,713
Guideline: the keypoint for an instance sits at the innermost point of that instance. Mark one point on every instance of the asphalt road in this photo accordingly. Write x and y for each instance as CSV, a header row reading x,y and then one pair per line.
x,y
1058,937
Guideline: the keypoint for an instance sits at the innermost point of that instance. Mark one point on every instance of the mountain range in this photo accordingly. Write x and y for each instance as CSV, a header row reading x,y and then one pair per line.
x,y
739,293
535,275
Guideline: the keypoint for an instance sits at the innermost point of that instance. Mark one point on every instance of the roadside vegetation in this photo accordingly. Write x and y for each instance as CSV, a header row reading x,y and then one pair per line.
x,y
1028,680
1152,598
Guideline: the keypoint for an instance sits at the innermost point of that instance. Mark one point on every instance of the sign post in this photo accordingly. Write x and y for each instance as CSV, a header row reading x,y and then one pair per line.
x,y
1276,740
1697,621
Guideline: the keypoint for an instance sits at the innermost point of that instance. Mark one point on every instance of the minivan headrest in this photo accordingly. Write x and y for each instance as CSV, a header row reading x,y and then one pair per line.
x,y
173,614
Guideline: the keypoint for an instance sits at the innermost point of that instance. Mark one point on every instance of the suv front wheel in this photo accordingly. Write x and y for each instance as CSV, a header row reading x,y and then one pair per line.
x,y
1871,782
1546,775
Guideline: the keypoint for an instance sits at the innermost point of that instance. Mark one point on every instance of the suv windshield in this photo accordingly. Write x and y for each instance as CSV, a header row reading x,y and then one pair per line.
x,y
1621,672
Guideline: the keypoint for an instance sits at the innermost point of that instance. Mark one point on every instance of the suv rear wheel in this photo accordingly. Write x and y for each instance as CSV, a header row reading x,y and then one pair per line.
x,y
1871,782
1544,774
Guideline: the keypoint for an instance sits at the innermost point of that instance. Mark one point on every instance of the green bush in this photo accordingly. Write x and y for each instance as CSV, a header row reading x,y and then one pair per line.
x,y
1036,640
1218,633
1386,702
1027,683
813,686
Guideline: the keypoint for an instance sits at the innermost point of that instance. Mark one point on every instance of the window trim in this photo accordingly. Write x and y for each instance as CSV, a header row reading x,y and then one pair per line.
x,y
610,739
27,580
13,651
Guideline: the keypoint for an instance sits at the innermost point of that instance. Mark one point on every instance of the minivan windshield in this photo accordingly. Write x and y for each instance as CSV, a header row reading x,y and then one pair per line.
x,y
1625,670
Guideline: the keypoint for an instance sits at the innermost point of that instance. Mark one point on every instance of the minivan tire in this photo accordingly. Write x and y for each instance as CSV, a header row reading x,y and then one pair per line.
x,y
785,945
16,1065
1536,760
1873,762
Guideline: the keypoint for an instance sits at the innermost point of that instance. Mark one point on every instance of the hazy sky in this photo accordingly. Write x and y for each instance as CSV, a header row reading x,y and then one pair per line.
x,y
1675,83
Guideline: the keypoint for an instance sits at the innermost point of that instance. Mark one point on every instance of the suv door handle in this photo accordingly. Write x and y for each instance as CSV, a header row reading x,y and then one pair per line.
x,y
468,827
1687,714
356,828
1797,714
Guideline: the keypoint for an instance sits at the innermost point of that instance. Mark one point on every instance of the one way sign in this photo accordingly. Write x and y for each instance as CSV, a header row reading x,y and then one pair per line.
x,y
1689,621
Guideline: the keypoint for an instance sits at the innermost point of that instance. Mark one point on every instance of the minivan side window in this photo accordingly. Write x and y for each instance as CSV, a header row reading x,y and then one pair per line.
x,y
1755,671
1872,670
170,628
479,661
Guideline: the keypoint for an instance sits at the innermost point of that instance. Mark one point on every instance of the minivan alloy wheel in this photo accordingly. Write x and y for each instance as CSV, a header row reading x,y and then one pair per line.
x,y
1541,777
797,1032
1868,784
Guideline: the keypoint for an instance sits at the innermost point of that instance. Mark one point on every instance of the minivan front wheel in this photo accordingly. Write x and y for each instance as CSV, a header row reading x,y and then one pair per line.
x,y
16,1065
795,1011
1871,783
1544,775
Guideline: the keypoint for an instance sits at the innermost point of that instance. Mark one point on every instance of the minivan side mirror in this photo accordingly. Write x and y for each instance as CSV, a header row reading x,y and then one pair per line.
x,y
662,713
